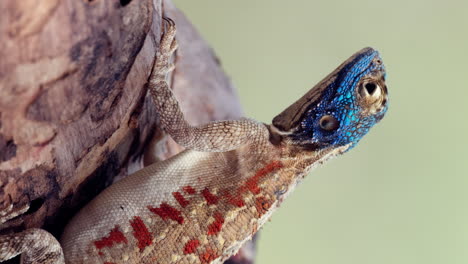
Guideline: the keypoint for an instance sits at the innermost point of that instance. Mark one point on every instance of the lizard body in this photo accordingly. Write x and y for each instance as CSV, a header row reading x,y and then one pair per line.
x,y
201,205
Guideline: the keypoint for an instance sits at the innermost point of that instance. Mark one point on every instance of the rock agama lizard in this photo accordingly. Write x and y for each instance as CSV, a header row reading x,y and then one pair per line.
x,y
201,205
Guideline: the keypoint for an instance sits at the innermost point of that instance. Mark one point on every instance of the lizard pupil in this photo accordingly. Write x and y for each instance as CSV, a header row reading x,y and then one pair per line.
x,y
370,87
329,123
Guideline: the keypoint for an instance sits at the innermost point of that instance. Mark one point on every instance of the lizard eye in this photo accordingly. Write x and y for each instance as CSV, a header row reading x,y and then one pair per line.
x,y
370,90
329,123
372,95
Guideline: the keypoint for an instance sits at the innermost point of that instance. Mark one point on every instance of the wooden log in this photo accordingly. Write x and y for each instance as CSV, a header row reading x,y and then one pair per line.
x,y
74,110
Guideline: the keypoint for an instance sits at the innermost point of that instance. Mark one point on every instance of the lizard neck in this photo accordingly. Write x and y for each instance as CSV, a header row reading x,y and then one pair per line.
x,y
284,164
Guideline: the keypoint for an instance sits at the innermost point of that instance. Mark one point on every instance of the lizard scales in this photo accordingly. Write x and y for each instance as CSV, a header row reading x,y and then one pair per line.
x,y
201,205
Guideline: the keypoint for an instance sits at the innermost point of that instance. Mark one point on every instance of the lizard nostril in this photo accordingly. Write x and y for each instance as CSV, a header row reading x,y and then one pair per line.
x,y
329,123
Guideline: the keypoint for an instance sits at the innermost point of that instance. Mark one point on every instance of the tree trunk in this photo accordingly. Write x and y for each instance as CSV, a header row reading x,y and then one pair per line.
x,y
74,110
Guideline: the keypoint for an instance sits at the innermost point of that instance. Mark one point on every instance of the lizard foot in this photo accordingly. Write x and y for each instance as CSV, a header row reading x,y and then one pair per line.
x,y
167,47
162,65
168,43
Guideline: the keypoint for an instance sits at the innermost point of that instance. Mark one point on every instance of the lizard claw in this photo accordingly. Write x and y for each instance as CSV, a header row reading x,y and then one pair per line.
x,y
167,47
168,43
169,21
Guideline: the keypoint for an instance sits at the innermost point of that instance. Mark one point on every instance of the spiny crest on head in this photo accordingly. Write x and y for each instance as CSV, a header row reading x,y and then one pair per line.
x,y
341,108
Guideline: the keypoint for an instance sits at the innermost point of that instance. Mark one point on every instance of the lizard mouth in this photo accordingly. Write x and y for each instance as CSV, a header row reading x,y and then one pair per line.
x,y
326,154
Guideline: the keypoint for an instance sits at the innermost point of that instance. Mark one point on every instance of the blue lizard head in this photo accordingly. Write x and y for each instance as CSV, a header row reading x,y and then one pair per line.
x,y
340,109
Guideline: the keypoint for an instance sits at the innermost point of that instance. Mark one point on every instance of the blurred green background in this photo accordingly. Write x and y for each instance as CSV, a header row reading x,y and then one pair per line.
x,y
401,195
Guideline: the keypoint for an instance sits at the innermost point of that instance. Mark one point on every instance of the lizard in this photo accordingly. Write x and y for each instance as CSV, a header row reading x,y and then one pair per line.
x,y
201,205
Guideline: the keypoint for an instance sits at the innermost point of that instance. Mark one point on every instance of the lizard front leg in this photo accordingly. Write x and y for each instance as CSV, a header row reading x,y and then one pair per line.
x,y
36,246
216,136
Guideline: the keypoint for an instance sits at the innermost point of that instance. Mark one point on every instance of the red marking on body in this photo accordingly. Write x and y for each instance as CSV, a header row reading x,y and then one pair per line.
x,y
141,233
180,199
216,226
189,190
191,246
209,197
262,205
252,183
208,256
235,200
252,186
115,237
166,211
109,262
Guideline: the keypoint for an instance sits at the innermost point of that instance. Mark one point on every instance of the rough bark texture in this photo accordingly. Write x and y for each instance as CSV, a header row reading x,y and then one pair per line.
x,y
74,111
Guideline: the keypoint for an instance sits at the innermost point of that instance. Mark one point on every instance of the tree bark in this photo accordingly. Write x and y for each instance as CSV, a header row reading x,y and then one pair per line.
x,y
74,110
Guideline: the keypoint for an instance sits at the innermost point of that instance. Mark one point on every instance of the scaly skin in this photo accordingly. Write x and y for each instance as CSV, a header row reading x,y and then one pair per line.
x,y
201,205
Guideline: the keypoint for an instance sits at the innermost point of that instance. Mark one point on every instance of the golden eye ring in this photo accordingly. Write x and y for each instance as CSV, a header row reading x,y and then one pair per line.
x,y
370,89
